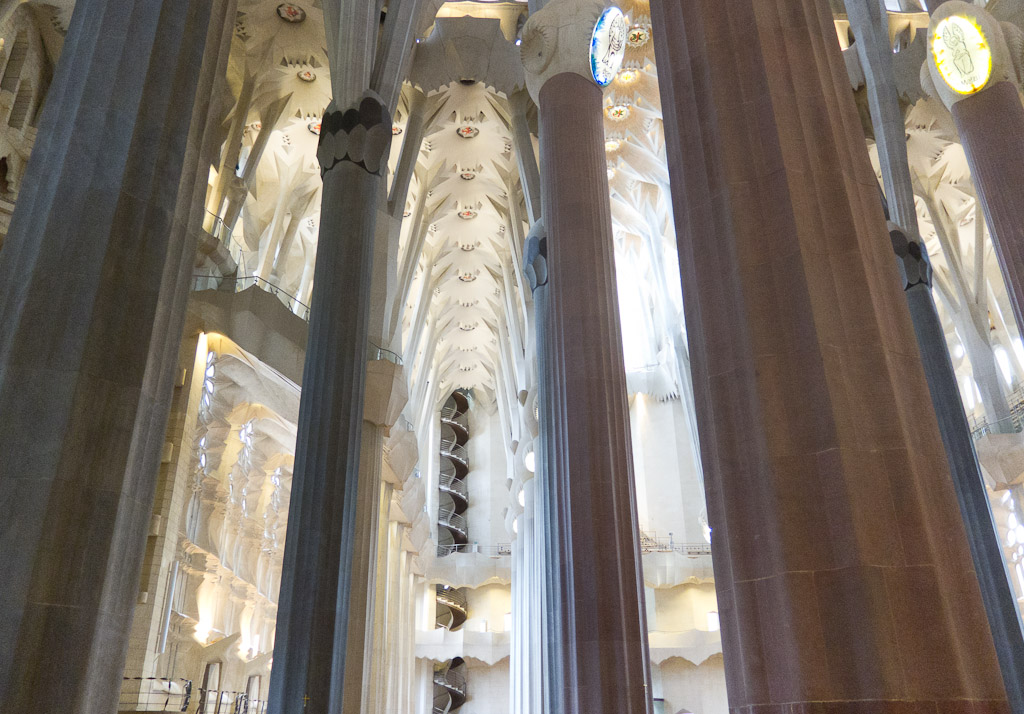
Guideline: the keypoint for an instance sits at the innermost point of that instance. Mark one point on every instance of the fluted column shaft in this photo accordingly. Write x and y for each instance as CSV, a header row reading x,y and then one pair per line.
x,y
312,624
87,286
843,574
604,637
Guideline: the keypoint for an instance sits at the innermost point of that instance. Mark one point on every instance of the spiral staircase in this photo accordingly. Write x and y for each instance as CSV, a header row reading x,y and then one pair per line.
x,y
453,500
450,686
452,610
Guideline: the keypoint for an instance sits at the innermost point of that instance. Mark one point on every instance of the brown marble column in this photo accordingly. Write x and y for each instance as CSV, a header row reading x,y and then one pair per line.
x,y
600,629
606,652
991,126
843,574
88,290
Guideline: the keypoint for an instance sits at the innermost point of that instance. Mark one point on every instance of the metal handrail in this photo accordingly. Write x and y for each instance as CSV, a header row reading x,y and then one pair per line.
x,y
460,420
452,597
152,700
374,352
225,702
450,679
981,426
449,483
654,544
494,551
452,450
450,519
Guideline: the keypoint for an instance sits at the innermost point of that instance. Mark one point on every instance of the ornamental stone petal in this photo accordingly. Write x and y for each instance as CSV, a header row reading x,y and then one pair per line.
x,y
357,144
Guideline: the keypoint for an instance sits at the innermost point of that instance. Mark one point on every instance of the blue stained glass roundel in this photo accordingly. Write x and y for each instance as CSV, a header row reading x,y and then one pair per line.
x,y
608,45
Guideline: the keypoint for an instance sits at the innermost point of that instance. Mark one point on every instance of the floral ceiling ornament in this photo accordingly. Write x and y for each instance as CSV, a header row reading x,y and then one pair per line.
x,y
291,13
639,35
467,175
314,127
467,131
396,130
307,75
468,214
628,76
467,278
618,112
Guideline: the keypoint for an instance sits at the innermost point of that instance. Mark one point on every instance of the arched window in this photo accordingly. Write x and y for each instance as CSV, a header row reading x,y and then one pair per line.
x,y
12,72
22,104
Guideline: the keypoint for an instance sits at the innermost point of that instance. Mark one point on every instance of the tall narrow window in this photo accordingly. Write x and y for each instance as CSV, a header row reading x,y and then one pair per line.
x,y
12,72
22,103
211,689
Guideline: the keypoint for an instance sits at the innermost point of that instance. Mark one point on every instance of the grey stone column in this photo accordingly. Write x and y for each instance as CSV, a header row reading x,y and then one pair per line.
x,y
86,291
410,154
602,632
386,395
529,172
550,645
313,606
997,594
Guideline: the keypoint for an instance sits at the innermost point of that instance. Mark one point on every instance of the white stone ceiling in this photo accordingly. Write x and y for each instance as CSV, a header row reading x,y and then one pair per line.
x,y
467,155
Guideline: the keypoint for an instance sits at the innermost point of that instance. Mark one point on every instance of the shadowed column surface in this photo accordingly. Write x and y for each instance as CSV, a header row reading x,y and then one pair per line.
x,y
90,282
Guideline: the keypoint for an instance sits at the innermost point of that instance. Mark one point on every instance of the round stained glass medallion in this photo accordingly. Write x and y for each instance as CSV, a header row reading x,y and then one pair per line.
x,y
290,13
608,45
962,54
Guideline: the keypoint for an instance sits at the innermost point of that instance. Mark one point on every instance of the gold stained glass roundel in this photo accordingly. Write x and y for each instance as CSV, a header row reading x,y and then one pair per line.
x,y
962,54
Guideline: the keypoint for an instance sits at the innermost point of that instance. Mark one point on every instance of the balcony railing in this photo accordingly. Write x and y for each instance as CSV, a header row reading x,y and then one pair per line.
x,y
219,701
1012,424
654,544
294,305
495,551
154,694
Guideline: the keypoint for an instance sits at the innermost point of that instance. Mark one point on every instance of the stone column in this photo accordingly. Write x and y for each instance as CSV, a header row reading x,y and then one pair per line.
x,y
990,121
312,624
529,172
843,573
549,646
866,18
993,577
603,635
386,395
84,291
